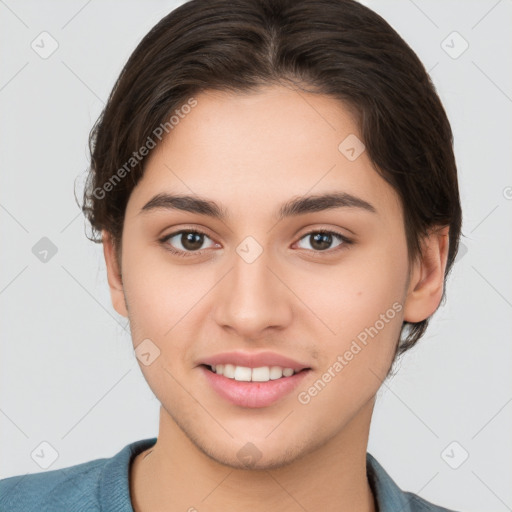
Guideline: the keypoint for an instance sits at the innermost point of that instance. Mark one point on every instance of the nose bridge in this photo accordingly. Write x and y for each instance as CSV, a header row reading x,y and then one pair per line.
x,y
251,281
251,297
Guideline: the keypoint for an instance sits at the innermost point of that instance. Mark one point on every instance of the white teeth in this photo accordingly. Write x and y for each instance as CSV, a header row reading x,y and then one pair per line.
x,y
287,372
244,373
229,371
276,372
261,374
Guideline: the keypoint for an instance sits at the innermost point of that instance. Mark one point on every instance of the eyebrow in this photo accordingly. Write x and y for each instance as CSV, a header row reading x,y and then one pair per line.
x,y
294,207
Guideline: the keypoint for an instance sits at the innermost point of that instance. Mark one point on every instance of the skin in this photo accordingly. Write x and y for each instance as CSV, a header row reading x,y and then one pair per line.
x,y
251,153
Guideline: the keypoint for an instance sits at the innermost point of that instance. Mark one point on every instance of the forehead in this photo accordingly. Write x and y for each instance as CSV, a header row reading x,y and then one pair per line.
x,y
262,146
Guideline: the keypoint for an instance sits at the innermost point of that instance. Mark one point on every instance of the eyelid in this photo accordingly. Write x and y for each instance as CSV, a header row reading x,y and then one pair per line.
x,y
323,229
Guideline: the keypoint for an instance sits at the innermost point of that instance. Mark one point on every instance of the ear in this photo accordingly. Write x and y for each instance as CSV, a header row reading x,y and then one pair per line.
x,y
426,282
115,281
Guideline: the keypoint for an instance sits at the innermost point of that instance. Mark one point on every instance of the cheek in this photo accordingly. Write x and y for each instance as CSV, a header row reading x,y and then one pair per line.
x,y
156,292
161,297
362,304
354,293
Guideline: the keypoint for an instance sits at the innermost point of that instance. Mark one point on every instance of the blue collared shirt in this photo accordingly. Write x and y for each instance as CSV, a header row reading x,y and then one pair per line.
x,y
103,485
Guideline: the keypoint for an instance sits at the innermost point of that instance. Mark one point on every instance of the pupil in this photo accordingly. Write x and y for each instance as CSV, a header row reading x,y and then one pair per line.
x,y
322,241
191,241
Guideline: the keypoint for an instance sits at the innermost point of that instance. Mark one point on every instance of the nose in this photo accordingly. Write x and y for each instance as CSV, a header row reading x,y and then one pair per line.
x,y
252,298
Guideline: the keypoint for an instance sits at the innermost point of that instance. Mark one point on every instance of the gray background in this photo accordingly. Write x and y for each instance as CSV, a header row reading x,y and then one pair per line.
x,y
68,373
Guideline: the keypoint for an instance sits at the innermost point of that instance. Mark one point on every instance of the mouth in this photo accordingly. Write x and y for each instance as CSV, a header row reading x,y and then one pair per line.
x,y
240,385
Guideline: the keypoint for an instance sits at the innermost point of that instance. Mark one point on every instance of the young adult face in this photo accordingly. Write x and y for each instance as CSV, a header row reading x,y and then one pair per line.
x,y
267,284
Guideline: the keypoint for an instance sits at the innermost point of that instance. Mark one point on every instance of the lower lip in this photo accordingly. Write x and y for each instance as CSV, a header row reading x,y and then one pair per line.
x,y
253,394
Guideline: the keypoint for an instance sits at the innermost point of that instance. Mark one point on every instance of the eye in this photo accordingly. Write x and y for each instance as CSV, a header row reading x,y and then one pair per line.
x,y
321,240
189,242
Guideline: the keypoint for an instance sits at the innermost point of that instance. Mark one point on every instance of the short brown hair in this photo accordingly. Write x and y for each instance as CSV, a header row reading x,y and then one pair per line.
x,y
338,48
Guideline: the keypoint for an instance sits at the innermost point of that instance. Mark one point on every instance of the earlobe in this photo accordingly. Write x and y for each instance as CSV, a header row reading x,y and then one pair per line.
x,y
427,277
114,276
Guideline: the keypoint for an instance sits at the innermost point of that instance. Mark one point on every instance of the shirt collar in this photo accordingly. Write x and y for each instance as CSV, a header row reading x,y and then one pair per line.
x,y
114,485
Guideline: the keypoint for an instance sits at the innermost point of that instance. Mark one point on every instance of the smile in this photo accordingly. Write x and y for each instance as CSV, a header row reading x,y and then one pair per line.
x,y
240,386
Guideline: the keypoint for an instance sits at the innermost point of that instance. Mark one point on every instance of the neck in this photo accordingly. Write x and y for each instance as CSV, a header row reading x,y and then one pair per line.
x,y
176,475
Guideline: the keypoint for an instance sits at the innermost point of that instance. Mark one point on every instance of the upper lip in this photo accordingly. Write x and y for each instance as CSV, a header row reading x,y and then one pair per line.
x,y
254,360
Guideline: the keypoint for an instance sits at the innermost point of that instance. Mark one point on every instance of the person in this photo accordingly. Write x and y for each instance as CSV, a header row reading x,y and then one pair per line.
x,y
275,188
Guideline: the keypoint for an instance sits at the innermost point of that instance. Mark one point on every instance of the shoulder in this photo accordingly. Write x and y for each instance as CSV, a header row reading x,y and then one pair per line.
x,y
100,484
390,497
60,489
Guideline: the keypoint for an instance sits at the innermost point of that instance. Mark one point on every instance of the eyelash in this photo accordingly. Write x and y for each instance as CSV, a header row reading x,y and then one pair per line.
x,y
345,242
